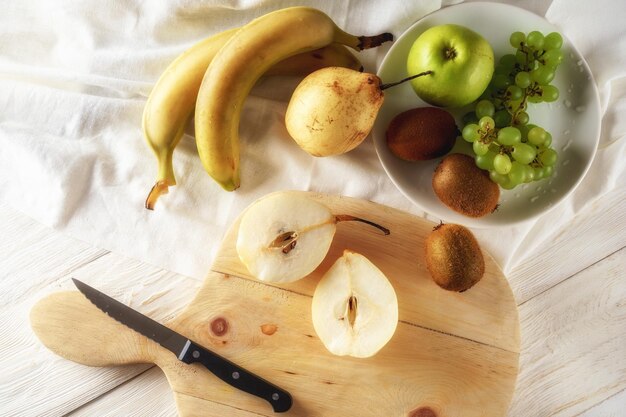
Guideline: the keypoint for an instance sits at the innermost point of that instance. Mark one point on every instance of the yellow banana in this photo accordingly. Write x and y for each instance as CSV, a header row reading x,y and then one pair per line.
x,y
239,64
173,98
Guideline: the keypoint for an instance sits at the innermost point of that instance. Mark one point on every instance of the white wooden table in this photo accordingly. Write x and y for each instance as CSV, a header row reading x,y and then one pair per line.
x,y
571,294
571,298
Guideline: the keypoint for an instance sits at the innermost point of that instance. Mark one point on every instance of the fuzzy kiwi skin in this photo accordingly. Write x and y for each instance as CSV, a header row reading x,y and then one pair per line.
x,y
454,258
464,187
421,134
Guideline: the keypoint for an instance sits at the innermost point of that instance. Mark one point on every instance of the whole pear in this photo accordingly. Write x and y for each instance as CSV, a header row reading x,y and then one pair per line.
x,y
333,110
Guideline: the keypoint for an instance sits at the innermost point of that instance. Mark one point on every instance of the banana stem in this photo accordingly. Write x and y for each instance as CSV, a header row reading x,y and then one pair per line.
x,y
158,189
367,42
359,43
386,86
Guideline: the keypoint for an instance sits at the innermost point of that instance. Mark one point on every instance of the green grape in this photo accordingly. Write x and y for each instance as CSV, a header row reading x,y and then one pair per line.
x,y
500,81
501,70
498,178
485,161
539,173
535,39
485,108
553,41
516,39
502,118
542,75
521,57
508,184
524,153
517,174
509,135
548,140
507,61
523,129
522,79
486,123
548,157
470,132
514,92
480,148
529,174
469,117
521,118
502,164
503,141
550,93
514,105
536,136
553,58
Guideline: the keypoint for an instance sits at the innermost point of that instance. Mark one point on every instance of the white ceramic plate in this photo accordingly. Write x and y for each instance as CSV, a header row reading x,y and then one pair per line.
x,y
573,120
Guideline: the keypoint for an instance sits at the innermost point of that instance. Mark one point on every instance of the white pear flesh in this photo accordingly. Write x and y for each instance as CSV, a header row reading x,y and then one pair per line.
x,y
355,308
333,110
278,214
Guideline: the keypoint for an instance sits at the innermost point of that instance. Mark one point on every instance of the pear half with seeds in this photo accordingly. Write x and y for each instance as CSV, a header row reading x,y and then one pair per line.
x,y
355,308
284,236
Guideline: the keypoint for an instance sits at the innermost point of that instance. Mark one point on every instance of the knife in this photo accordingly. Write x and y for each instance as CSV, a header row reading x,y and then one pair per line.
x,y
187,350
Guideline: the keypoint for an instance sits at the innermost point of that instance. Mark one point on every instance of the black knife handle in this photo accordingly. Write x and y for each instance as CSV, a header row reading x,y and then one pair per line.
x,y
238,377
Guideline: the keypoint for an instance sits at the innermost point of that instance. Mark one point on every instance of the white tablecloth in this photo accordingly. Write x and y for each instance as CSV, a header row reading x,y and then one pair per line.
x,y
74,77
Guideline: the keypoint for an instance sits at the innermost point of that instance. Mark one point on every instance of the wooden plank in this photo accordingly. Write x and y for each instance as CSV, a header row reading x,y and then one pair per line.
x,y
40,262
613,406
147,394
574,344
596,231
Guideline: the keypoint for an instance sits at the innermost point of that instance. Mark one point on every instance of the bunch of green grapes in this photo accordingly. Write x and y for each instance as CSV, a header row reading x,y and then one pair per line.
x,y
504,142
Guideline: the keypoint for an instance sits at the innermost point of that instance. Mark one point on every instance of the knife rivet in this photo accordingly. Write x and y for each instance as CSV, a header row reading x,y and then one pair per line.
x,y
235,375
195,354
275,396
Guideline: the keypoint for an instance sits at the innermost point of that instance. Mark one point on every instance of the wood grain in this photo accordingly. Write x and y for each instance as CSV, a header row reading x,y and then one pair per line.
x,y
581,322
452,354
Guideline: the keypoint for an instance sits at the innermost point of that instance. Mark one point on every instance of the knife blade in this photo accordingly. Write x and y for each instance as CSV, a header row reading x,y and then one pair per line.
x,y
188,351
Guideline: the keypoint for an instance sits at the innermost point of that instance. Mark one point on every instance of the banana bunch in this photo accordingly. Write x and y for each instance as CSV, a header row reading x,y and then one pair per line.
x,y
216,75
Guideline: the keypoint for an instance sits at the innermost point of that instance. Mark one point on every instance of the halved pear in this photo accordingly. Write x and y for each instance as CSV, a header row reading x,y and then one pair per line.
x,y
284,236
355,308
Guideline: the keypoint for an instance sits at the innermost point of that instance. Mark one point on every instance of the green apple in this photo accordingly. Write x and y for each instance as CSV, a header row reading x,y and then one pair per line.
x,y
461,62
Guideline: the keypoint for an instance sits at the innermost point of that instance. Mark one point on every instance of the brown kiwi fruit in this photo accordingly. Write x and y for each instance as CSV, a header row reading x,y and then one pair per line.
x,y
464,187
421,133
454,258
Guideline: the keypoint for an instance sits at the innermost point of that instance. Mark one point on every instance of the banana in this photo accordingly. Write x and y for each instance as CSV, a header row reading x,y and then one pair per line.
x,y
173,98
238,65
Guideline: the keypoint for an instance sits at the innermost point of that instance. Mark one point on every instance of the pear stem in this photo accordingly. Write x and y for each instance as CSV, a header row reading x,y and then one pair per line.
x,y
347,217
387,85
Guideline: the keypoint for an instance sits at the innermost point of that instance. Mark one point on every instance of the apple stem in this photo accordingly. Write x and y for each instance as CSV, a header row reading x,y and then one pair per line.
x,y
387,85
347,217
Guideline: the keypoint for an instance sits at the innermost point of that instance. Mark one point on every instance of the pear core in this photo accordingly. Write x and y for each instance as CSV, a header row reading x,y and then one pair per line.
x,y
354,308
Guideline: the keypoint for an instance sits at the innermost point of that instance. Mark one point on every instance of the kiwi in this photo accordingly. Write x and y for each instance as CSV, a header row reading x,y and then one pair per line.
x,y
421,133
464,187
454,258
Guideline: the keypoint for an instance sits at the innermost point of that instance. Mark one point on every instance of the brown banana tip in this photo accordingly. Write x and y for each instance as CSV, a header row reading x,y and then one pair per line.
x,y
158,189
367,42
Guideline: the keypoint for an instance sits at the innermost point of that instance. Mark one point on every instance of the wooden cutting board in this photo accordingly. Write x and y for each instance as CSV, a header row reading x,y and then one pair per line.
x,y
452,355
